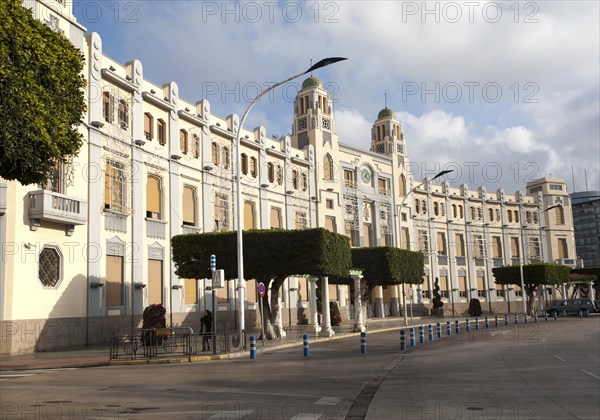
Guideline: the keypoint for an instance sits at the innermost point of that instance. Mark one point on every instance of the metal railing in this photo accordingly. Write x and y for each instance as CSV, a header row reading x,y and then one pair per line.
x,y
173,342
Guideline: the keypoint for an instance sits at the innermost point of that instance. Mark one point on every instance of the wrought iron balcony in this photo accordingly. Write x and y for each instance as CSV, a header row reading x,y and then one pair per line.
x,y
58,208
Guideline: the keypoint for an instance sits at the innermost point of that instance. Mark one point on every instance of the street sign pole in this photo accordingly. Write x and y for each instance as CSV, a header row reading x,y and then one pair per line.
x,y
410,292
261,293
213,268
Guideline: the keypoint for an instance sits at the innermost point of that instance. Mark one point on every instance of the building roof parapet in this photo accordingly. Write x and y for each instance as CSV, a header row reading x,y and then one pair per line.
x,y
121,82
358,152
191,118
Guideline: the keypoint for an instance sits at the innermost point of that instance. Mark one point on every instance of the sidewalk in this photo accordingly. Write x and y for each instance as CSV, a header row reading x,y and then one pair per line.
x,y
99,355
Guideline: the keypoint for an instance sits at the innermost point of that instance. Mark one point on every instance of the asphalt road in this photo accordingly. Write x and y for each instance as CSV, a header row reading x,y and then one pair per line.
x,y
549,370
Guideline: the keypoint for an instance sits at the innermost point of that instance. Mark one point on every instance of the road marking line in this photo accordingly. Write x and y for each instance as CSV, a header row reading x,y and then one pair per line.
x,y
559,358
305,416
19,375
544,346
230,414
590,373
328,401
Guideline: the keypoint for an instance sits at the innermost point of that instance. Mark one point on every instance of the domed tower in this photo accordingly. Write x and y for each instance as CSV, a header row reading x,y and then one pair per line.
x,y
386,134
313,116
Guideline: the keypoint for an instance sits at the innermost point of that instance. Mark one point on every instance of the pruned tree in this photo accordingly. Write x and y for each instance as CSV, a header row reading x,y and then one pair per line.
x,y
42,100
270,256
533,276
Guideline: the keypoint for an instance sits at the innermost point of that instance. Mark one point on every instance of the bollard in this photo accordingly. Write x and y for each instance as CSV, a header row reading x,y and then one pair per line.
x,y
430,330
402,340
580,314
555,316
439,330
252,347
413,341
535,317
516,319
457,327
363,342
487,322
421,334
306,345
505,319
476,323
448,328
545,316
496,321
468,325
526,319
587,313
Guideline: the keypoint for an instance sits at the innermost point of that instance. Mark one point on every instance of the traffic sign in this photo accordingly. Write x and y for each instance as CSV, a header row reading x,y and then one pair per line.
x,y
261,289
410,292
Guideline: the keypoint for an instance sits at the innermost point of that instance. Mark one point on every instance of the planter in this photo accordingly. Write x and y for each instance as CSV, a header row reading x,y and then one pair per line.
x,y
437,312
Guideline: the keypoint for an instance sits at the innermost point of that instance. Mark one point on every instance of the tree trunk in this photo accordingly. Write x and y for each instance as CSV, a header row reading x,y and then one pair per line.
x,y
275,314
529,289
266,318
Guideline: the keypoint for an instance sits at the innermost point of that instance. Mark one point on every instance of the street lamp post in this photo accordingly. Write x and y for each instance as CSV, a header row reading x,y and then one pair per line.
x,y
442,173
240,247
522,255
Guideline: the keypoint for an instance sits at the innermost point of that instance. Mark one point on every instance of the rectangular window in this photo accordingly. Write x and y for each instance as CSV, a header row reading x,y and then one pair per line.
x,y
148,126
496,247
108,107
349,180
161,132
275,218
153,198
123,114
405,239
114,280
478,246
514,247
191,291
183,141
55,181
441,244
189,206
249,215
368,235
563,250
459,244
382,185
534,249
114,187
155,282
423,241
330,223
329,203
223,294
221,212
300,221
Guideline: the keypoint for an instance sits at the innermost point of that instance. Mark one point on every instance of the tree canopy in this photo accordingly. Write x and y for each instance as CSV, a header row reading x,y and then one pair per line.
x,y
267,253
533,274
42,100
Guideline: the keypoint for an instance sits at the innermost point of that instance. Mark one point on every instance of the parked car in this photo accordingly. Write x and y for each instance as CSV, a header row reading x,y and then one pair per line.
x,y
572,306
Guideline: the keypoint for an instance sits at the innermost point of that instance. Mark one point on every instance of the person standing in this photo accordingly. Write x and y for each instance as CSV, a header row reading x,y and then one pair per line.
x,y
205,329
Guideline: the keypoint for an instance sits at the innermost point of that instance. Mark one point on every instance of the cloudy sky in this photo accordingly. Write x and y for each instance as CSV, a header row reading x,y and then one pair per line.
x,y
500,92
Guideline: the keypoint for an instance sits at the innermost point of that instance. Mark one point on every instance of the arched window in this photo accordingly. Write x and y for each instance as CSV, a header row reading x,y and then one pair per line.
x,y
436,208
454,213
195,146
491,213
460,210
295,179
516,216
303,181
328,168
509,215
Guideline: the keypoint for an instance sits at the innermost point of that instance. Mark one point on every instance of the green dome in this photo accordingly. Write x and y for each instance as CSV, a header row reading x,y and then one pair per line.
x,y
311,82
385,113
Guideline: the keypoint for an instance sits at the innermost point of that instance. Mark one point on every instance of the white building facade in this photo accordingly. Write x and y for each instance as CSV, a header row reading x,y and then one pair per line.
x,y
84,254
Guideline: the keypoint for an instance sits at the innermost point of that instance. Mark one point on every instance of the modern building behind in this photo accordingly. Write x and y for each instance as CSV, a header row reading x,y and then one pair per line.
x,y
586,222
85,253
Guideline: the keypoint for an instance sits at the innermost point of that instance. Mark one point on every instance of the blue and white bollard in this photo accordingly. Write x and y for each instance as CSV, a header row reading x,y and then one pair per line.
x,y
587,313
535,317
545,316
421,334
252,347
526,319
496,321
457,327
363,342
468,325
476,323
413,341
516,318
439,330
555,316
306,345
402,340
448,328
487,322
505,319
580,314
430,331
